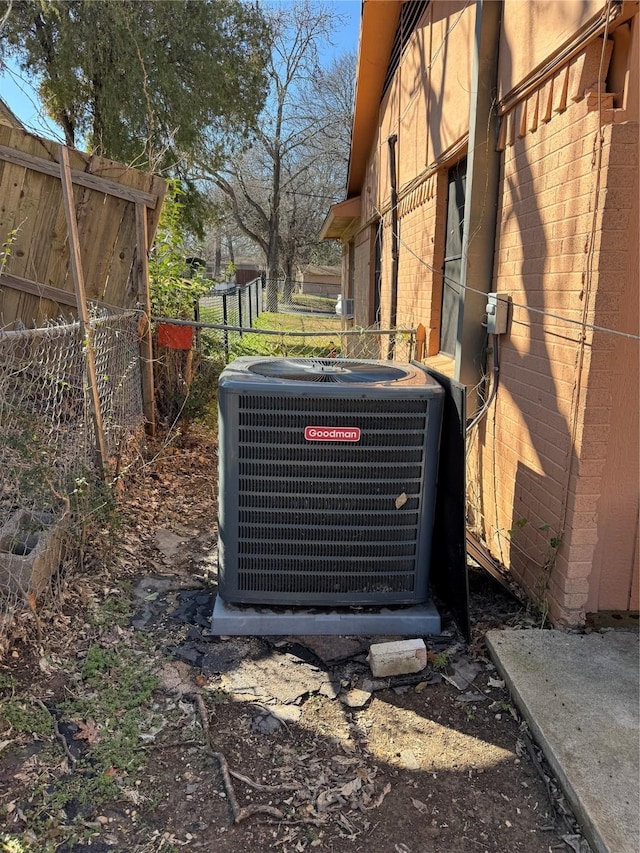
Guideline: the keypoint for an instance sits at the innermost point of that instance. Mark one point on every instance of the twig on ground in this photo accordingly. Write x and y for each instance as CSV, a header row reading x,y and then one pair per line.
x,y
272,789
558,814
63,741
248,811
239,813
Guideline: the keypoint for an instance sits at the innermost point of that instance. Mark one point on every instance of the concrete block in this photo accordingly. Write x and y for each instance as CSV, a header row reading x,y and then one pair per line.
x,y
397,658
31,548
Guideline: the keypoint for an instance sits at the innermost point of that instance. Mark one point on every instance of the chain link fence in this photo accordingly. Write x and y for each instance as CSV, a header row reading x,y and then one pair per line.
x,y
303,336
275,318
286,295
233,305
47,438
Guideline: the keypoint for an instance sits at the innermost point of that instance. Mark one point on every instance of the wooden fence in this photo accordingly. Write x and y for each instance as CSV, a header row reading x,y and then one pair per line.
x,y
74,228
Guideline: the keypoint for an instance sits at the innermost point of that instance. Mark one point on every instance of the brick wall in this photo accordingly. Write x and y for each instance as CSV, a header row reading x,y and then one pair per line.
x,y
421,232
543,447
552,470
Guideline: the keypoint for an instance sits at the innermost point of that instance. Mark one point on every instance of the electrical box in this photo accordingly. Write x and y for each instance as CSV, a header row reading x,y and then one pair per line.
x,y
497,313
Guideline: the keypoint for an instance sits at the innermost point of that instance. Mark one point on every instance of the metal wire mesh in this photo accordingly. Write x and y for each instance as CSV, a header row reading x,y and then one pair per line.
x,y
233,305
117,359
47,439
307,337
273,318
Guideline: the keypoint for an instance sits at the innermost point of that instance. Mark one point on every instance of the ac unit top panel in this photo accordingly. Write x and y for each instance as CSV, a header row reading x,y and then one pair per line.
x,y
331,377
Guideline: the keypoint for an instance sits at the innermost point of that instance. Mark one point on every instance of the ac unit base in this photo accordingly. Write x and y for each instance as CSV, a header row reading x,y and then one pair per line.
x,y
234,620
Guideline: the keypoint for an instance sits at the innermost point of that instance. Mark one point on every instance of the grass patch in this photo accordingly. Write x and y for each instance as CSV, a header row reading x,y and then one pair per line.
x,y
26,718
210,314
116,609
325,344
314,303
297,323
109,714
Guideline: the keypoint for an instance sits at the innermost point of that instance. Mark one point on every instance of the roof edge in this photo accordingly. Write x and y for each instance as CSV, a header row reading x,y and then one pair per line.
x,y
340,217
377,31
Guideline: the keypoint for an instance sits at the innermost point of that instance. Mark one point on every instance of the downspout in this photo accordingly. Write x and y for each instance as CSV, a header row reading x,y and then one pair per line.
x,y
481,209
393,305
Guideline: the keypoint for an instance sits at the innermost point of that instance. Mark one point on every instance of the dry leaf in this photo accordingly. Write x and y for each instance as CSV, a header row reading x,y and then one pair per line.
x,y
343,761
44,666
378,800
87,730
351,787
134,796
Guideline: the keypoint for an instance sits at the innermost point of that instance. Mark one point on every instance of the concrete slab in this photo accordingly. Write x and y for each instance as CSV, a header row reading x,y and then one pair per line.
x,y
581,698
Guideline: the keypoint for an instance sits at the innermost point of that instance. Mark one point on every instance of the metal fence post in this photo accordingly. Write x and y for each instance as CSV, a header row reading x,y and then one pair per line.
x,y
196,317
240,310
224,323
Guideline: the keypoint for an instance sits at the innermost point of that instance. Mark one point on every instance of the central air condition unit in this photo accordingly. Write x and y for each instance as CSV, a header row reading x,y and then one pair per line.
x,y
327,481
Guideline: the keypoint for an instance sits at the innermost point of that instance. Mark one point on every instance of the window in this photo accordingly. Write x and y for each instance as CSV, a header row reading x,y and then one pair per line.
x,y
452,267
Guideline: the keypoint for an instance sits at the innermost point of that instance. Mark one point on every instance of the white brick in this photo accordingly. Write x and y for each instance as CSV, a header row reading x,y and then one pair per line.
x,y
397,658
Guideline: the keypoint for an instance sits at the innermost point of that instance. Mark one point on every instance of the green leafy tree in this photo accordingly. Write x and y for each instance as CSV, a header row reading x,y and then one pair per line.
x,y
174,286
143,82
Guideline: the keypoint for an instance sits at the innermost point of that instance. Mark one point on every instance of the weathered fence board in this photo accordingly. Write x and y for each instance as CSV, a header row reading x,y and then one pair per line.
x,y
105,195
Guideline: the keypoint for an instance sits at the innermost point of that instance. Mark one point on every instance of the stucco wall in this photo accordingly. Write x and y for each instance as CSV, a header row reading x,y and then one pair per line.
x,y
363,257
421,227
427,104
534,31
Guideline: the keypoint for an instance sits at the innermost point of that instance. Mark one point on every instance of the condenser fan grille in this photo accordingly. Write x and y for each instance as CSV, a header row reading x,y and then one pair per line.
x,y
327,481
327,370
329,520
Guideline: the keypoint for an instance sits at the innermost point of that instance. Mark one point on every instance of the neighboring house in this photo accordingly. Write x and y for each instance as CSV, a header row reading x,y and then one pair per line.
x,y
319,281
248,269
498,142
241,270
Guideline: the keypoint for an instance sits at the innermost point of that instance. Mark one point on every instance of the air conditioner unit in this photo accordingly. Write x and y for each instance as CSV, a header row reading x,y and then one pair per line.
x,y
327,481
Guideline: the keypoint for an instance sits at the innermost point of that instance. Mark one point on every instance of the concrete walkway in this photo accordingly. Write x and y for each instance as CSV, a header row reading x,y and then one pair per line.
x,y
580,697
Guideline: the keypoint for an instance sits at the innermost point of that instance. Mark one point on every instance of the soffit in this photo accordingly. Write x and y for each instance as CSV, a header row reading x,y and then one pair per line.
x,y
377,31
340,217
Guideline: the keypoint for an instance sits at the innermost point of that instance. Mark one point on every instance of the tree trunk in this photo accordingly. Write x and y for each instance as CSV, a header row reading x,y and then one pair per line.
x,y
273,269
217,264
232,257
288,281
273,253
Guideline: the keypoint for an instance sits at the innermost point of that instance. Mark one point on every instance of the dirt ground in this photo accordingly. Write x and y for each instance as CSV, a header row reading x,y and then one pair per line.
x,y
130,728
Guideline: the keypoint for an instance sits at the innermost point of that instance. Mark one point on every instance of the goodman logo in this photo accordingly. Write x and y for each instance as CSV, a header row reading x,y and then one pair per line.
x,y
321,433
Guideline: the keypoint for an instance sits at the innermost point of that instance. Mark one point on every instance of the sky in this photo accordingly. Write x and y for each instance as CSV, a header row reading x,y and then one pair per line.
x,y
346,38
21,97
